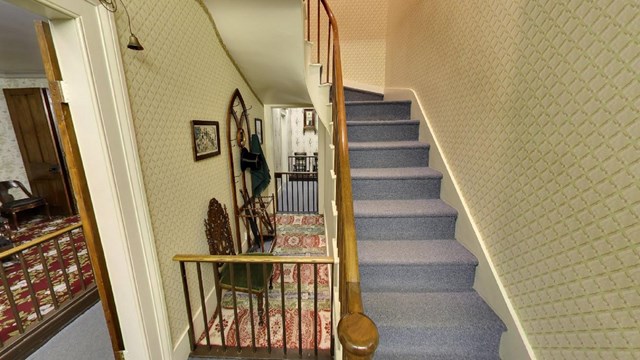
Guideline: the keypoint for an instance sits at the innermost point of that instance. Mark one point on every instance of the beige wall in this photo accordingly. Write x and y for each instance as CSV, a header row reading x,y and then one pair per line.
x,y
363,26
11,165
536,105
183,74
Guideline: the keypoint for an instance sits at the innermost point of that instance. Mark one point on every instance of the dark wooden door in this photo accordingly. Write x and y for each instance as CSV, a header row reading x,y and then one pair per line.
x,y
38,141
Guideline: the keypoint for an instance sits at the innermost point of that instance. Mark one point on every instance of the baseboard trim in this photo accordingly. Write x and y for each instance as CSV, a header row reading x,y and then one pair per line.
x,y
181,349
514,344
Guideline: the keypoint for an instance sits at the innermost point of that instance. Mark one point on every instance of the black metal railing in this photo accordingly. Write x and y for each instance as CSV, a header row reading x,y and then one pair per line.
x,y
296,192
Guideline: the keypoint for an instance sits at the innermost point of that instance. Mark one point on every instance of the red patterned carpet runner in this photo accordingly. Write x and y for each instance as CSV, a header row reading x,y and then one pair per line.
x,y
17,280
298,235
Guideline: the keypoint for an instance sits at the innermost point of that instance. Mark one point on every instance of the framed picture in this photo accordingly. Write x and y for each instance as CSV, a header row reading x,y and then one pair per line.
x,y
259,129
206,139
309,120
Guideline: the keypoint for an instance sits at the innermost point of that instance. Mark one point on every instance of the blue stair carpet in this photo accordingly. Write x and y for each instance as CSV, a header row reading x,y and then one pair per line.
x,y
417,280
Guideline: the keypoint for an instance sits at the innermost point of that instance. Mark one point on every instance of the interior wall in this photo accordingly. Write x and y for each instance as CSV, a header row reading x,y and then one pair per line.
x,y
11,165
291,136
183,74
301,140
536,107
363,26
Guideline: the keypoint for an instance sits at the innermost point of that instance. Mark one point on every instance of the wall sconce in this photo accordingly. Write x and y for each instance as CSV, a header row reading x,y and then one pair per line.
x,y
112,6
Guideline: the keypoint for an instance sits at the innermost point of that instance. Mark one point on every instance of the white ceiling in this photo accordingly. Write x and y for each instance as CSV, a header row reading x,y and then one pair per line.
x,y
19,53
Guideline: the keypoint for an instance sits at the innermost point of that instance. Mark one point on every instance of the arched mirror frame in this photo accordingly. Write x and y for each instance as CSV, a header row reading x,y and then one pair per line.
x,y
238,119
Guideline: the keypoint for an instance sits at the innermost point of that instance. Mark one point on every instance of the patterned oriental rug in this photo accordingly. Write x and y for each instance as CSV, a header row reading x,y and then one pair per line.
x,y
18,282
298,235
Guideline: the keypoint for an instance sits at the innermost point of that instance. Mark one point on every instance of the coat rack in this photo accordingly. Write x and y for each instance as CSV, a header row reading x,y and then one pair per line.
x,y
254,212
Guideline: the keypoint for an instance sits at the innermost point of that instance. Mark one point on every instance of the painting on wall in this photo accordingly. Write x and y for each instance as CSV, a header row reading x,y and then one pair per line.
x,y
206,139
309,120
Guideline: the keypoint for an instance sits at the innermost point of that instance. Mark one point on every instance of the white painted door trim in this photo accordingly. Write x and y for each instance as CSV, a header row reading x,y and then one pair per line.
x,y
86,41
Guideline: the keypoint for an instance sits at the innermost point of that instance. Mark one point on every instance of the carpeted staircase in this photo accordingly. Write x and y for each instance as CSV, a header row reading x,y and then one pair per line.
x,y
416,278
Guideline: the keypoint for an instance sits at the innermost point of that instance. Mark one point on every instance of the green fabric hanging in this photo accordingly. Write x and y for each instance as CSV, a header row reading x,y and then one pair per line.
x,y
261,177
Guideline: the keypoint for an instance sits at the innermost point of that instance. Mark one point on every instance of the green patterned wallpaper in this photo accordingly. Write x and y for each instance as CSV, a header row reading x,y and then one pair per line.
x,y
536,105
183,74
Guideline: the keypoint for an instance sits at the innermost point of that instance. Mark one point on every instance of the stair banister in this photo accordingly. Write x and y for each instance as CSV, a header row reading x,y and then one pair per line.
x,y
356,332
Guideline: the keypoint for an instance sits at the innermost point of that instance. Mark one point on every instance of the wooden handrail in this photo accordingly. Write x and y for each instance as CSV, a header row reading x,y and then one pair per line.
x,y
255,259
39,240
357,333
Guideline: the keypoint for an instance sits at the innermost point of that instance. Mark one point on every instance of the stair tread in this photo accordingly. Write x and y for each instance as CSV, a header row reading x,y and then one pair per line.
x,y
367,145
382,122
444,310
395,173
402,208
414,252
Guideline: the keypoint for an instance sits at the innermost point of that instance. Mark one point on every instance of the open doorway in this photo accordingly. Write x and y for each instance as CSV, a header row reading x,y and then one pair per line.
x,y
295,139
47,275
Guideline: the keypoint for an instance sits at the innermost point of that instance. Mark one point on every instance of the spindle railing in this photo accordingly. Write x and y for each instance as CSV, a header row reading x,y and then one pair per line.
x,y
357,333
53,298
244,274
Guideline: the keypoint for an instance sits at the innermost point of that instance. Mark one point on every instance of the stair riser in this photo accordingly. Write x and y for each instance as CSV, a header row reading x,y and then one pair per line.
x,y
379,111
389,158
441,340
355,95
398,278
396,189
396,354
404,132
405,228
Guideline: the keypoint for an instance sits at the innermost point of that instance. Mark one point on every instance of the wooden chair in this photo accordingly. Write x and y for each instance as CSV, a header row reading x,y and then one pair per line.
x,y
6,237
218,230
300,163
11,206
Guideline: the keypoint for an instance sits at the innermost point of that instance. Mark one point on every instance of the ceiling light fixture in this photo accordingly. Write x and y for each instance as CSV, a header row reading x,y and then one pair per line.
x,y
112,6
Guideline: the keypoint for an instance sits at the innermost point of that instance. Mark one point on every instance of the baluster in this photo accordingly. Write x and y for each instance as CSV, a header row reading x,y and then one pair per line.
x,y
266,304
74,251
318,33
216,279
309,20
235,303
289,193
52,291
12,301
32,293
328,50
299,311
249,288
185,289
65,276
203,304
331,267
284,316
300,195
315,309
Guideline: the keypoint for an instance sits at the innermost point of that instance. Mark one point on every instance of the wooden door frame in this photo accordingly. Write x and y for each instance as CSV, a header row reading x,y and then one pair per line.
x,y
94,85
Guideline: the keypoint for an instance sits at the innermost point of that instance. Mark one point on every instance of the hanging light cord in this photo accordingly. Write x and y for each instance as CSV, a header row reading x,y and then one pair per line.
x,y
112,6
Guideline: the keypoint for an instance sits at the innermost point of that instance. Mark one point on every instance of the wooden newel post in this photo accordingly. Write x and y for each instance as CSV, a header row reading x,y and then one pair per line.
x,y
358,336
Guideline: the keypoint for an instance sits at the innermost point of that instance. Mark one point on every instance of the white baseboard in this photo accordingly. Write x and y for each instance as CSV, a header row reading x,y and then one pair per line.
x,y
181,350
514,343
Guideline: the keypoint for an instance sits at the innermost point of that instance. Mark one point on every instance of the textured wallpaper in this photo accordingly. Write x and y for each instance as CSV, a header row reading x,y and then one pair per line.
x,y
11,165
183,74
301,141
537,108
363,27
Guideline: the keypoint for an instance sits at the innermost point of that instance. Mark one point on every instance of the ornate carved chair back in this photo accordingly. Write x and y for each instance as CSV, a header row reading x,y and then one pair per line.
x,y
218,229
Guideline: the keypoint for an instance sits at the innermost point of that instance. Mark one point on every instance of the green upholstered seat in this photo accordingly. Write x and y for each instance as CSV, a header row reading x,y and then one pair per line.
x,y
240,275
